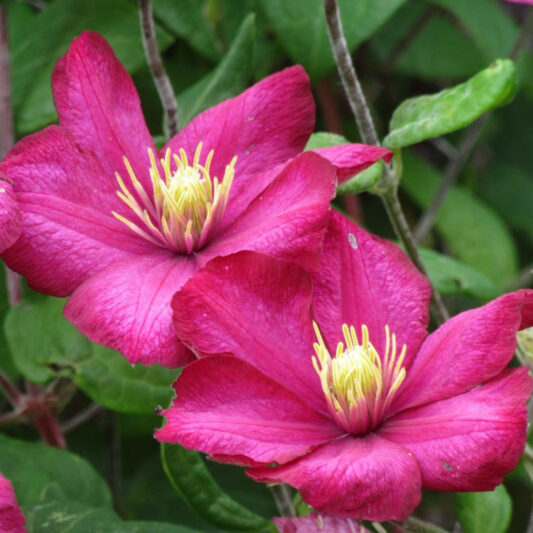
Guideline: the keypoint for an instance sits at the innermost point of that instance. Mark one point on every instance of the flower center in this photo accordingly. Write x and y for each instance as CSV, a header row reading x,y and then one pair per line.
x,y
186,205
358,384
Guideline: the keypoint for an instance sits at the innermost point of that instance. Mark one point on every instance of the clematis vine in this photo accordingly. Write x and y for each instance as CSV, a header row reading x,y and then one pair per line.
x,y
331,384
119,226
11,518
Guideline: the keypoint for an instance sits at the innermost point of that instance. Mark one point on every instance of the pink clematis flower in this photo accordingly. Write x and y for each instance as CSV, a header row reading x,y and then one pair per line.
x,y
334,380
119,227
316,523
11,517
9,216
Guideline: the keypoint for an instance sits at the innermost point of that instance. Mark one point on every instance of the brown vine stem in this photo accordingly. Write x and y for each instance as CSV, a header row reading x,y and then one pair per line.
x,y
389,183
415,525
283,500
162,83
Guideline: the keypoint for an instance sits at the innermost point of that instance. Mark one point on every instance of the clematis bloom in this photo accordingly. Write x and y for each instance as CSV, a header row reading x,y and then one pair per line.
x,y
332,385
11,518
119,226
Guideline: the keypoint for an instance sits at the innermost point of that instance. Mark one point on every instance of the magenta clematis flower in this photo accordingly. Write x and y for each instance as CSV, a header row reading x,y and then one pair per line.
x,y
119,227
316,523
334,380
9,216
11,517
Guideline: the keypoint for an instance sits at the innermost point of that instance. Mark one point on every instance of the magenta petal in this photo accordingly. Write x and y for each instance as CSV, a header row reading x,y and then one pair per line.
x,y
65,199
225,407
11,517
288,219
127,307
350,159
468,349
317,523
9,216
365,478
267,124
257,309
363,279
468,442
98,104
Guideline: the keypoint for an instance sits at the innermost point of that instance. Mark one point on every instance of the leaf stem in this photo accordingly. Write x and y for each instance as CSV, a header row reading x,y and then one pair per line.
x,y
159,74
388,189
415,525
283,500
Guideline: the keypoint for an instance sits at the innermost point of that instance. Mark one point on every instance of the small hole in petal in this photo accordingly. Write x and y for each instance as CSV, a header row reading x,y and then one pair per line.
x,y
352,240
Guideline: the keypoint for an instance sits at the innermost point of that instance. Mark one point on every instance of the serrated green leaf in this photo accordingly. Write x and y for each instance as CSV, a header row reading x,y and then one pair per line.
x,y
449,276
42,474
429,116
189,476
60,517
228,79
301,28
474,233
34,53
52,346
484,512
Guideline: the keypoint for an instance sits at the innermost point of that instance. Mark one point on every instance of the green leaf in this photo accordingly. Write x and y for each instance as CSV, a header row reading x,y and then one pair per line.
x,y
490,27
52,346
474,233
301,28
324,139
192,481
484,512
59,517
41,474
429,116
449,276
34,53
228,79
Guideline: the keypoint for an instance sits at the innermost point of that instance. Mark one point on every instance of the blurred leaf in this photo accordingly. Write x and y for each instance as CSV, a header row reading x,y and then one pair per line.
x,y
301,28
491,28
484,512
59,517
52,346
42,474
324,139
190,478
431,48
474,233
34,53
228,79
449,276
429,116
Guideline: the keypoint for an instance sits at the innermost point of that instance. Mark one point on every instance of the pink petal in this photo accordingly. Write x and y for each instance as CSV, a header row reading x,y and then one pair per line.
x,y
257,309
365,478
468,442
350,159
11,517
317,523
66,199
127,307
528,2
98,104
469,349
367,280
288,219
225,407
10,219
267,124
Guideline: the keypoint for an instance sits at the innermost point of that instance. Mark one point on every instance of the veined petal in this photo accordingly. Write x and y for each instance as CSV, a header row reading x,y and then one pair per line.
x,y
11,518
258,309
226,408
267,124
127,307
469,349
467,442
364,279
98,104
288,219
10,220
366,478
